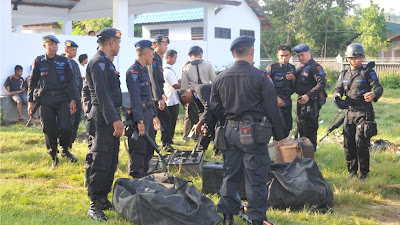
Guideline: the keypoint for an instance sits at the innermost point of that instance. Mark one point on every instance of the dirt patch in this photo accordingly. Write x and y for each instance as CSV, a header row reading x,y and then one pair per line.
x,y
389,212
64,186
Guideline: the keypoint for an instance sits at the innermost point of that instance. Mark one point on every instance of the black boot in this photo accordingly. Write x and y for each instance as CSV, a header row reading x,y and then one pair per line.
x,y
87,176
106,204
228,219
66,153
95,212
54,158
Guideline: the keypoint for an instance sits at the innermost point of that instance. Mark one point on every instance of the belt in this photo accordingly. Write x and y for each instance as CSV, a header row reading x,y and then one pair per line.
x,y
232,123
360,108
147,105
284,96
55,93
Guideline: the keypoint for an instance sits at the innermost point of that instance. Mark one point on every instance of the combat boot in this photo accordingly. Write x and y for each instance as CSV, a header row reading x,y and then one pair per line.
x,y
66,153
105,204
95,212
228,219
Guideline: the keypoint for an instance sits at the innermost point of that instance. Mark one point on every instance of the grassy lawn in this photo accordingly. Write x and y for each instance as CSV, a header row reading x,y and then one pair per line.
x,y
33,194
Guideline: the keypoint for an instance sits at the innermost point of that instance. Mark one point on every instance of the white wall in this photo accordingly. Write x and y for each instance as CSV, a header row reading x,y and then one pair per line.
x,y
177,31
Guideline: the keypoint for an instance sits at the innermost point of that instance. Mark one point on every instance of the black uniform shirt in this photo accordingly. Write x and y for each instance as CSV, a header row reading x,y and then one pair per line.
x,y
52,74
140,92
311,79
87,101
77,75
244,90
14,84
104,86
277,72
354,84
157,77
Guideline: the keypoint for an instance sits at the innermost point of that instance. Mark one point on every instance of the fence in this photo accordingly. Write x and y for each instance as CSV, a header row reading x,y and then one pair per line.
x,y
383,68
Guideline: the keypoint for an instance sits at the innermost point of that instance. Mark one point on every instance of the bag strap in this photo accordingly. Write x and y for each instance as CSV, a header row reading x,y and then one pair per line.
x,y
198,74
301,145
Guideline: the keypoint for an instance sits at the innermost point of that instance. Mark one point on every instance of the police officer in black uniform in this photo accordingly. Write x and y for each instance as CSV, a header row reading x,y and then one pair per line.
x,y
106,99
310,86
200,96
282,74
143,110
244,96
53,85
361,86
157,81
70,48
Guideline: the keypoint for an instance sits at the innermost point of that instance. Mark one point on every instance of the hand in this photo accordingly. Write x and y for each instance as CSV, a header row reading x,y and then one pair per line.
x,y
119,129
72,106
369,96
156,123
338,96
278,143
30,108
304,99
290,76
141,129
161,104
197,128
165,98
281,103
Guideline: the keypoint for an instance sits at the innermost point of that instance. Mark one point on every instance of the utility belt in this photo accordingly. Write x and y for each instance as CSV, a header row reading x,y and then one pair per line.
x,y
363,108
309,109
147,105
252,130
56,93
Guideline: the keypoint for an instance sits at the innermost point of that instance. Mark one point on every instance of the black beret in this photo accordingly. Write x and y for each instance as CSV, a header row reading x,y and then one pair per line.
x,y
50,38
242,41
69,43
195,48
109,32
301,48
145,44
161,38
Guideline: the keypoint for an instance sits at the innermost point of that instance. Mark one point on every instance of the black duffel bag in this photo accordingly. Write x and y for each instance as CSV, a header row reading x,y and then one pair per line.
x,y
299,184
162,199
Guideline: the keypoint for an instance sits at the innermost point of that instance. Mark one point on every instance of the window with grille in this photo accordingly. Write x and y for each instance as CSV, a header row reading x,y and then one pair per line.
x,y
197,33
164,32
224,33
247,33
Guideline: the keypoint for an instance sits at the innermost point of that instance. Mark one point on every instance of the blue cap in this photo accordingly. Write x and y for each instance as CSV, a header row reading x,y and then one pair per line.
x,y
161,38
145,44
301,48
195,48
50,38
69,43
109,32
242,41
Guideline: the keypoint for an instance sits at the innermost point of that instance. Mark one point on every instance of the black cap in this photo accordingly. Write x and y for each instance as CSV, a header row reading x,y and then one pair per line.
x,y
69,43
109,32
195,48
50,38
301,48
145,44
161,38
242,41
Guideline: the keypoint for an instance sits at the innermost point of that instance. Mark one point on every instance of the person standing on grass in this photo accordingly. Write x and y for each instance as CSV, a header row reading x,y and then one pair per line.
x,y
361,86
15,86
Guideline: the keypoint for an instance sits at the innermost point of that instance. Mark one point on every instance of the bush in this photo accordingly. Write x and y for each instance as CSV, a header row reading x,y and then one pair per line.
x,y
390,80
331,78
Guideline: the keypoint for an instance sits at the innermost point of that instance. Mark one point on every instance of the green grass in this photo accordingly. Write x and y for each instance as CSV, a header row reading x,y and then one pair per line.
x,y
33,194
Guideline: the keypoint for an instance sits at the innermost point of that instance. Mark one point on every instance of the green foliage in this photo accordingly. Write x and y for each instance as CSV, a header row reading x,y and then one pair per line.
x,y
331,78
83,27
390,80
373,30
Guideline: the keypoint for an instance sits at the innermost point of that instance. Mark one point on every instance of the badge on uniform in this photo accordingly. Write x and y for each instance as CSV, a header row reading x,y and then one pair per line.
x,y
134,76
102,66
321,71
373,75
305,73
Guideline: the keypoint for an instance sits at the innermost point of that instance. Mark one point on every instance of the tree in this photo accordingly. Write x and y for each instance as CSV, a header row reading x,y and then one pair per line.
x,y
373,29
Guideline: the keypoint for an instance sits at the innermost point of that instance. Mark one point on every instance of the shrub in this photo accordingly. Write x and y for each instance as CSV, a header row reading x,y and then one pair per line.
x,y
390,80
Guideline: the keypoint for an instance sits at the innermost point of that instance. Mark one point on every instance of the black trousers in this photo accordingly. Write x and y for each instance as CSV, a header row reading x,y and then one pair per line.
x,y
356,145
165,119
75,120
140,151
287,115
253,161
191,118
174,111
307,121
102,159
55,113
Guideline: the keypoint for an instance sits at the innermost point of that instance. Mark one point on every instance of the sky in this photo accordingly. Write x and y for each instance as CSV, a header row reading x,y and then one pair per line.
x,y
386,4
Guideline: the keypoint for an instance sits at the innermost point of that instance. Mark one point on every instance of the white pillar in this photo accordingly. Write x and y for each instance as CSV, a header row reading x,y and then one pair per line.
x,y
67,27
131,26
5,31
18,28
209,29
120,16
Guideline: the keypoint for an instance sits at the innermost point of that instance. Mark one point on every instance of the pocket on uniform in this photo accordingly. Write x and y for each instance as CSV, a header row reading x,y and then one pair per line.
x,y
60,75
102,157
370,129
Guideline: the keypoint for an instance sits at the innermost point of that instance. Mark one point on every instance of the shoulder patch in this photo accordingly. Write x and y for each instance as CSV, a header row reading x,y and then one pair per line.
x,y
135,76
373,75
133,71
102,66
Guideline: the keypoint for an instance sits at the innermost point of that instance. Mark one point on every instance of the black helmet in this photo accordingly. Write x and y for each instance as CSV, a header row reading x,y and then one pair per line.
x,y
355,50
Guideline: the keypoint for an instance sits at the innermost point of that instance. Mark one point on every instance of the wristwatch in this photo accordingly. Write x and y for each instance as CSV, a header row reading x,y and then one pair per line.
x,y
140,121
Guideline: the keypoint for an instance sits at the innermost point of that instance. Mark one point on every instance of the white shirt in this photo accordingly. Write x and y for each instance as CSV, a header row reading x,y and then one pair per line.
x,y
171,79
82,69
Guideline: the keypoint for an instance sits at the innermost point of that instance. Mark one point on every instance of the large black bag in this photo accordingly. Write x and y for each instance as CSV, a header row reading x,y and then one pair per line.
x,y
162,199
300,184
